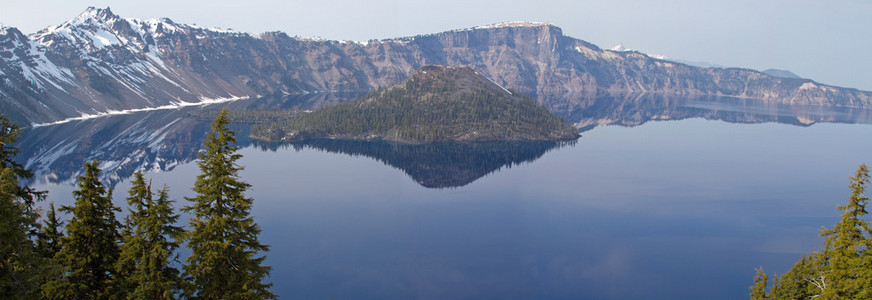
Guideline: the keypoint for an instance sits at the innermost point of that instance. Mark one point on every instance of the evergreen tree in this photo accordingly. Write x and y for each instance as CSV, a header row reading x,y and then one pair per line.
x,y
843,270
807,279
8,135
18,260
132,249
19,263
48,241
149,248
758,290
48,245
223,238
844,245
90,249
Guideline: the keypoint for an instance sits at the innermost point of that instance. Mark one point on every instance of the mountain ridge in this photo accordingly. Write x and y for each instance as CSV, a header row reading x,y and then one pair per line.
x,y
99,62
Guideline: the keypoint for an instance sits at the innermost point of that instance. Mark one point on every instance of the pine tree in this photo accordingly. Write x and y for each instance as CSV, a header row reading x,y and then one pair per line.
x,y
19,263
132,249
843,270
48,245
758,290
863,277
806,279
223,238
18,260
90,249
844,244
8,135
48,241
149,247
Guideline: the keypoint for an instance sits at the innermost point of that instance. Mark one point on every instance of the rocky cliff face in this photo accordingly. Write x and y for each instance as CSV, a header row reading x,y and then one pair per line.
x,y
99,62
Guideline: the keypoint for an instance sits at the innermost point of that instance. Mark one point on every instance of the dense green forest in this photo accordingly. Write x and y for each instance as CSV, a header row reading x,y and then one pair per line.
x,y
843,269
96,255
435,104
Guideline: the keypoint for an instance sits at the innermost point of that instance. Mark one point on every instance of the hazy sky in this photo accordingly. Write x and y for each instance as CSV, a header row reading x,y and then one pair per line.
x,y
828,41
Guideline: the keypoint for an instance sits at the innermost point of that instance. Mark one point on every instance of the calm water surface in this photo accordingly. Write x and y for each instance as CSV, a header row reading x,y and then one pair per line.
x,y
665,210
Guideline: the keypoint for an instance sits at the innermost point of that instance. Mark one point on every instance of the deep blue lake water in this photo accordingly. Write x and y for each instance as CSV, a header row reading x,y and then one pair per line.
x,y
680,209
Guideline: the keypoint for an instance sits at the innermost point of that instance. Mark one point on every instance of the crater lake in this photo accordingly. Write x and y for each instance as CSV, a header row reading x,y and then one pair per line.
x,y
661,198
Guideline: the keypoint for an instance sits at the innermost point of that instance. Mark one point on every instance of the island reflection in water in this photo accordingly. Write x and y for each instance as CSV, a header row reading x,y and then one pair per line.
x,y
161,140
436,165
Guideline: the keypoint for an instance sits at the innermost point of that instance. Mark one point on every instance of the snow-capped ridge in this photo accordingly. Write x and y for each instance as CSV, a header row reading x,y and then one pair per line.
x,y
620,48
92,13
514,24
100,27
502,25
95,27
8,30
310,38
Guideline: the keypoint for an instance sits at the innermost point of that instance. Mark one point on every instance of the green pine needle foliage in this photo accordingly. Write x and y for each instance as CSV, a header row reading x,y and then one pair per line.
x,y
150,243
90,248
226,260
22,268
19,262
843,270
758,290
48,241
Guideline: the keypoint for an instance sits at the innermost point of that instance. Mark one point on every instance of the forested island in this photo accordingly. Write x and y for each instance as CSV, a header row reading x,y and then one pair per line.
x,y
436,104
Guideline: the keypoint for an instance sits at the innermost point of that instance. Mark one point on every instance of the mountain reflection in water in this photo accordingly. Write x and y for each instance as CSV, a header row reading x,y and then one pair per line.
x,y
161,140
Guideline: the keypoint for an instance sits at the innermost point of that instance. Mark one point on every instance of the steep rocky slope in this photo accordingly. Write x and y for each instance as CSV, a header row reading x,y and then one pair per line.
x,y
99,62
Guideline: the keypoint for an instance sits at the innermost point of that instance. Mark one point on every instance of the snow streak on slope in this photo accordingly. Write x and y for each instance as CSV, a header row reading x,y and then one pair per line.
x,y
177,105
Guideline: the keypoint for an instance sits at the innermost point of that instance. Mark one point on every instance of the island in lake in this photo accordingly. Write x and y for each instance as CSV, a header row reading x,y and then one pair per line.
x,y
435,104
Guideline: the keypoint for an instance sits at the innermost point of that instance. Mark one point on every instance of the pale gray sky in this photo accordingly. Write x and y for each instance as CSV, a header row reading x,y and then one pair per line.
x,y
828,41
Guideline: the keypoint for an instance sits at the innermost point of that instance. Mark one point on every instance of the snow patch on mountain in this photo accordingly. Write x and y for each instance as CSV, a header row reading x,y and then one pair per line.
x,y
311,39
621,48
92,28
597,54
513,24
177,105
492,81
102,38
36,67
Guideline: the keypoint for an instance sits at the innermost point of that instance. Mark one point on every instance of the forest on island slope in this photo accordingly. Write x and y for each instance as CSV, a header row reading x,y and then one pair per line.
x,y
435,104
